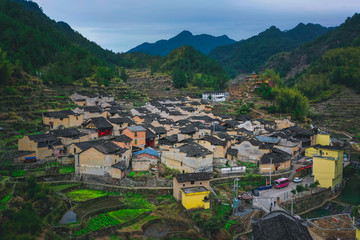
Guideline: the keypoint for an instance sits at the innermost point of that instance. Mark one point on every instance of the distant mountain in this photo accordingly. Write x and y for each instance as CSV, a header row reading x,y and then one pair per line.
x,y
250,54
295,61
203,43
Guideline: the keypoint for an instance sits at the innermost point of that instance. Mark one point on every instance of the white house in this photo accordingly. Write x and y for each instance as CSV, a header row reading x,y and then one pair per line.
x,y
215,96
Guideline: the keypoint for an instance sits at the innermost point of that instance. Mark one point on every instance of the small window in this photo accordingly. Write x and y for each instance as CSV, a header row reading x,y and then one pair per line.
x,y
184,185
183,171
135,134
181,163
74,150
192,182
200,183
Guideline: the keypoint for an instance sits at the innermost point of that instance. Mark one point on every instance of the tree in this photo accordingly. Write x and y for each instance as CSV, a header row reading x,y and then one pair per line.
x,y
6,69
299,188
179,78
293,192
313,185
123,75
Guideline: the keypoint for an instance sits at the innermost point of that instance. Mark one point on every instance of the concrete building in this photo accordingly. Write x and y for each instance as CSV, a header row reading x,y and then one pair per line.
x,y
192,190
327,164
188,158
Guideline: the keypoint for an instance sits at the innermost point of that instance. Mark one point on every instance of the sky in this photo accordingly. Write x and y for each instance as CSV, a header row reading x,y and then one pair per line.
x,y
120,25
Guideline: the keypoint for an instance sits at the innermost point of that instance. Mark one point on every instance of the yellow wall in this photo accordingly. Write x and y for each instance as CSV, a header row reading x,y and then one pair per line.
x,y
322,139
328,171
177,186
357,234
194,200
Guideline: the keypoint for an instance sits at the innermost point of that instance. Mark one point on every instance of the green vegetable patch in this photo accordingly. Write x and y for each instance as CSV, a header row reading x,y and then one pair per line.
x,y
82,195
102,221
126,215
66,170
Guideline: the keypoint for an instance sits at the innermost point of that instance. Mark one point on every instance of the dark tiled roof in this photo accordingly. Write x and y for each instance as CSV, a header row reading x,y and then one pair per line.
x,y
218,128
59,114
175,113
232,151
188,130
169,140
214,140
276,156
183,122
92,109
165,121
109,148
122,138
188,177
159,130
99,122
279,225
224,135
120,121
88,144
68,133
243,118
150,134
120,165
204,118
231,123
23,153
194,150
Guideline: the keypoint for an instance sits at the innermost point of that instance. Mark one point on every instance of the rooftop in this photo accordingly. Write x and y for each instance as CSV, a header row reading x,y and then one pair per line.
x,y
188,177
279,225
136,128
194,150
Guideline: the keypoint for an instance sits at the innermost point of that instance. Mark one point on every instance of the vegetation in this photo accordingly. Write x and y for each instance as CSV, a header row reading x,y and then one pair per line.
x,y
82,195
251,54
337,67
30,203
288,100
191,67
346,35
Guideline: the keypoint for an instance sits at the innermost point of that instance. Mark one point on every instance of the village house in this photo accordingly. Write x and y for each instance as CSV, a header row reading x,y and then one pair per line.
x,y
188,158
275,161
192,190
215,96
214,144
44,145
70,135
122,141
91,99
249,150
22,157
327,164
65,118
101,162
100,125
137,134
91,112
145,159
188,132
119,124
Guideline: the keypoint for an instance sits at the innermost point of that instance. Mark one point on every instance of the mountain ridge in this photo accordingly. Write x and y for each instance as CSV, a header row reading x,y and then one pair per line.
x,y
202,42
250,54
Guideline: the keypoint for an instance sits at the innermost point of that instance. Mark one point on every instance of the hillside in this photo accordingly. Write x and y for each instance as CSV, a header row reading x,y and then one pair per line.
x,y
203,43
250,54
190,67
293,62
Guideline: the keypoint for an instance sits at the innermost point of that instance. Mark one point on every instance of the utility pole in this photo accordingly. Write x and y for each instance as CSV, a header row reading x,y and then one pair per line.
x,y
292,207
270,169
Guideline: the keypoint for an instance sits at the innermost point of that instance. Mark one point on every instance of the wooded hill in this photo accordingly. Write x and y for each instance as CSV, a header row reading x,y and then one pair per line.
x,y
54,52
250,55
293,62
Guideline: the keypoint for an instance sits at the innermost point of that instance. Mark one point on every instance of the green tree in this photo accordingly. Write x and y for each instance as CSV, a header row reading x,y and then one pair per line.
x,y
300,188
6,69
179,78
123,75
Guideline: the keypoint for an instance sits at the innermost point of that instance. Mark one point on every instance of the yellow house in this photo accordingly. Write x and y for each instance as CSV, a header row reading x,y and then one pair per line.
x,y
195,197
327,164
322,139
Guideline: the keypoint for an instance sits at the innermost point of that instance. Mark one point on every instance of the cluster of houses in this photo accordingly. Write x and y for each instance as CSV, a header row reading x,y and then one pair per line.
x,y
105,141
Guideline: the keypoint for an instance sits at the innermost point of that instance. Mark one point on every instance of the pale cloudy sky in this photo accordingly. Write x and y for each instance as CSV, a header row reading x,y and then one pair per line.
x,y
120,25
